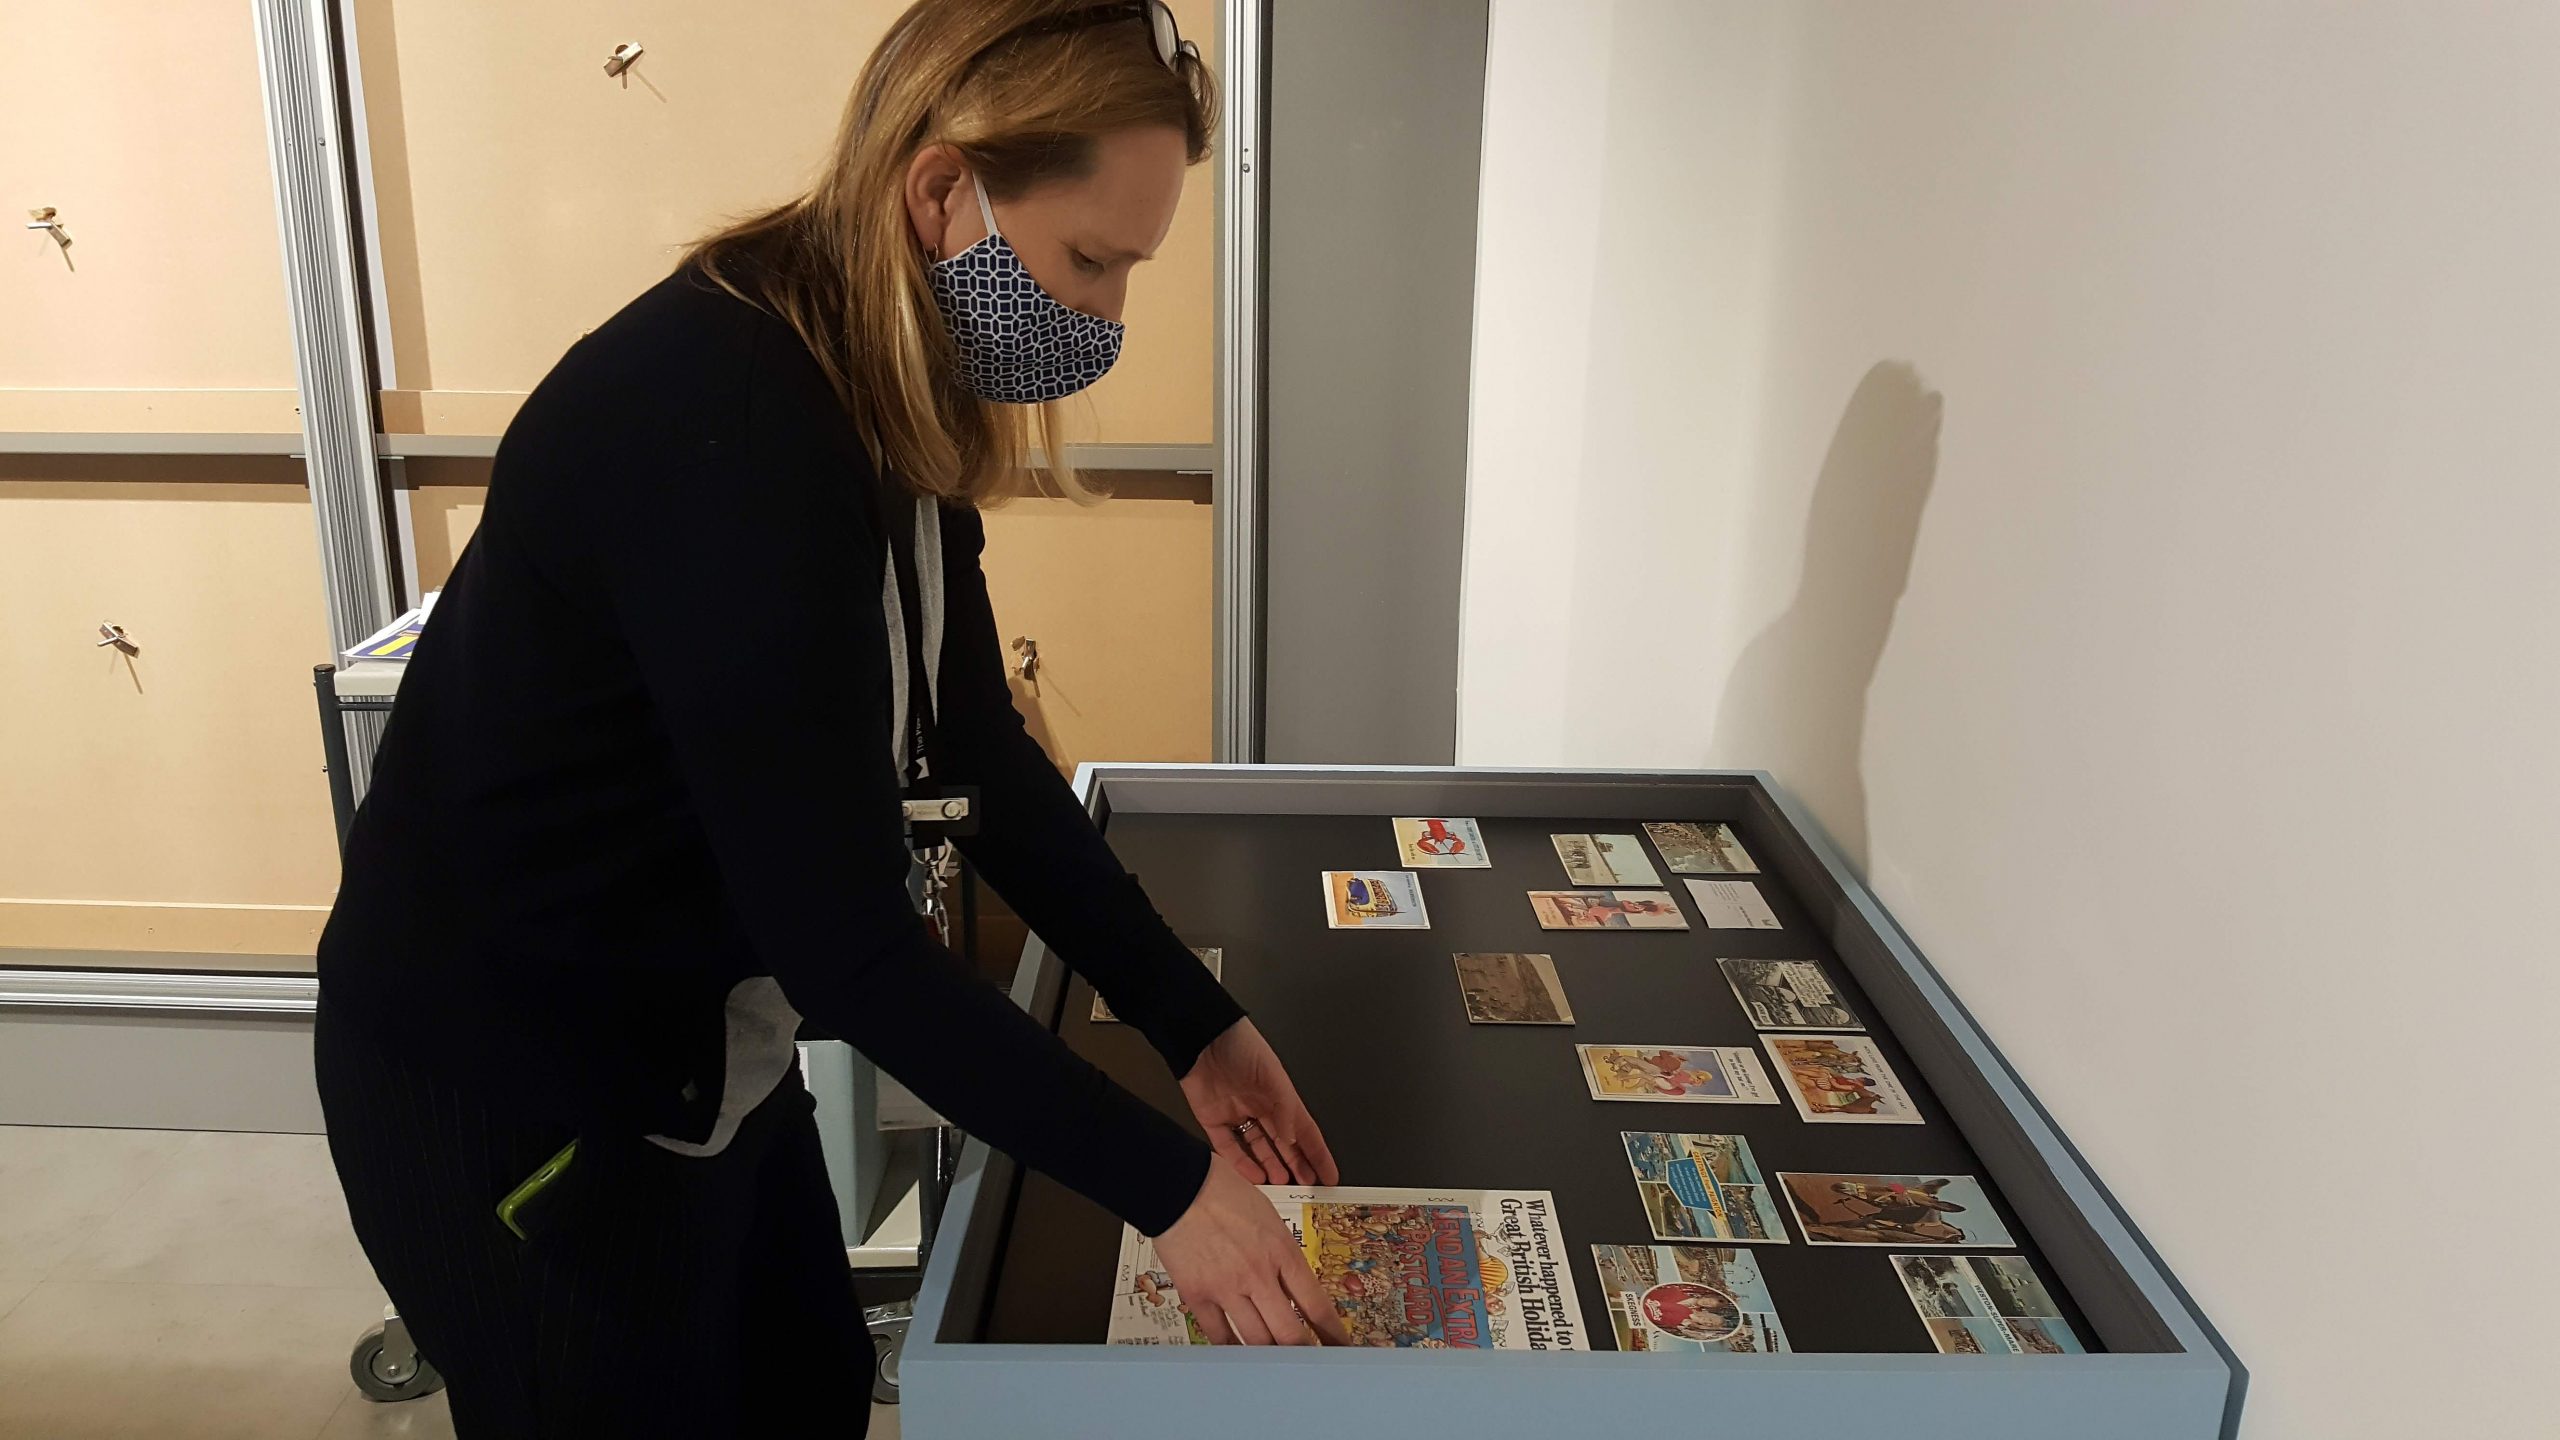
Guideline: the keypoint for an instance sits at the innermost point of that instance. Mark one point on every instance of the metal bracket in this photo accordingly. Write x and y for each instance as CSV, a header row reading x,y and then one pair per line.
x,y
937,809
48,220
619,63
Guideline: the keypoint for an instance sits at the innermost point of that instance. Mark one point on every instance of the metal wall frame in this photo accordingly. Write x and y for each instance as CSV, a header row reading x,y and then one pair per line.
x,y
309,140
1236,643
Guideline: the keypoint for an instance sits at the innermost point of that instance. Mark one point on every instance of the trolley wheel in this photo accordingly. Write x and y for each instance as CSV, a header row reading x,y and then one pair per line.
x,y
888,1326
386,1373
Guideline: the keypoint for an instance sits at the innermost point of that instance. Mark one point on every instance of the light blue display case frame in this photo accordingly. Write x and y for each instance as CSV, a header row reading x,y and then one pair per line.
x,y
2164,1373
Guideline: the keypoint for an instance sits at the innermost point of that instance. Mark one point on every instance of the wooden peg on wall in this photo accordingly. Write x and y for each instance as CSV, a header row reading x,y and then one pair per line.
x,y
50,222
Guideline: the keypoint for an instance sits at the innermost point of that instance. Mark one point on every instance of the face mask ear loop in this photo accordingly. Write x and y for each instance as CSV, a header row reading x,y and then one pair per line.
x,y
984,209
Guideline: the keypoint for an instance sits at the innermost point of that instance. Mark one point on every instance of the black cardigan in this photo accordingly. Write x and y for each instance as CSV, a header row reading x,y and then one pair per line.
x,y
643,753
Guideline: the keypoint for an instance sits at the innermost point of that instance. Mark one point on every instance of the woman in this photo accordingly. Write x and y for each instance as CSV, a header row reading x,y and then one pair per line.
x,y
638,810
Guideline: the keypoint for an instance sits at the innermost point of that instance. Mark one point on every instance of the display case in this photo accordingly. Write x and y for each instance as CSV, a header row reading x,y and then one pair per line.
x,y
1009,1326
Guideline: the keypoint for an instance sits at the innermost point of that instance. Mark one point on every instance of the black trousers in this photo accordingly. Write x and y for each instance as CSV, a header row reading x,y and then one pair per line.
x,y
666,1295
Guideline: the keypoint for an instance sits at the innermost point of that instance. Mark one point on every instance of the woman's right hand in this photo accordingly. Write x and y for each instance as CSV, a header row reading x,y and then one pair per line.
x,y
1239,1273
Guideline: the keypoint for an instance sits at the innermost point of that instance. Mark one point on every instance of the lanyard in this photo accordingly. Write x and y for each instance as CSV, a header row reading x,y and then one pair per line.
x,y
911,620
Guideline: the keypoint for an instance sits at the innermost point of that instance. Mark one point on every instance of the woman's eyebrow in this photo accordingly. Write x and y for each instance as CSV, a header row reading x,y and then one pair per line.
x,y
1103,250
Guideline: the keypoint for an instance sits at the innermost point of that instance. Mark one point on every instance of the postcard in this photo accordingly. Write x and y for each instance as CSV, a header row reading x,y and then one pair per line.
x,y
1841,1079
1688,1299
1407,1269
1441,844
1209,955
1703,1187
1788,995
1691,1074
1604,860
1985,1305
1509,989
1942,1210
1607,910
1732,905
1693,849
1374,900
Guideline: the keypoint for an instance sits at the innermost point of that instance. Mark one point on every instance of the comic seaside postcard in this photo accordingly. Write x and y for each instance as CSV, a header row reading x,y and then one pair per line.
x,y
1841,1079
1703,1187
1693,1074
1607,910
1688,1300
1406,1269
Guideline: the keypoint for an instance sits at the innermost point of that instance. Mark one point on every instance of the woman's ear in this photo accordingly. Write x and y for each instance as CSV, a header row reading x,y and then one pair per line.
x,y
933,179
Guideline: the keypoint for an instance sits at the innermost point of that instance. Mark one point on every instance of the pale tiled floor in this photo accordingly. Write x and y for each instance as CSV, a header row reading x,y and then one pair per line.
x,y
187,1287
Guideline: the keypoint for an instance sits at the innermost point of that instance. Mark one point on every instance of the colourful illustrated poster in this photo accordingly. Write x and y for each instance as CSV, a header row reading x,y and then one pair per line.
x,y
1841,1079
1503,988
1788,995
1441,844
1940,1210
1607,910
1407,1269
1604,860
1209,955
1703,1187
1691,849
1985,1305
1688,1299
1689,1074
1374,900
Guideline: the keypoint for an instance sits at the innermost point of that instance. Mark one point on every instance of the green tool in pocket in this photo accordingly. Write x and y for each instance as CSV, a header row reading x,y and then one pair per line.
x,y
525,1211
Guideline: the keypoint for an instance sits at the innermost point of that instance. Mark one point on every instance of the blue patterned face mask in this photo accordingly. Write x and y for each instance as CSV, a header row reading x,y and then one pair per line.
x,y
1017,343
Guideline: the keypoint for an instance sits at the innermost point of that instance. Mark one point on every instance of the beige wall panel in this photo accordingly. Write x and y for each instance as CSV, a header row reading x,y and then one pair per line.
x,y
525,195
1118,596
141,122
233,412
174,801
443,511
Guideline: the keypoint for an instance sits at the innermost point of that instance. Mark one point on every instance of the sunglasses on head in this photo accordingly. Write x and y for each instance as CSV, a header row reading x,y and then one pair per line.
x,y
1171,48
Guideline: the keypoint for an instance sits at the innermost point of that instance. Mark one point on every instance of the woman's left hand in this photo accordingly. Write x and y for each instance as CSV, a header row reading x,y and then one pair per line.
x,y
1253,1114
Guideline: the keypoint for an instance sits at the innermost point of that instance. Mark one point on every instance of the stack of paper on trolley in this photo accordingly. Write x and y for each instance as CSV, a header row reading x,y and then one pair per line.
x,y
397,640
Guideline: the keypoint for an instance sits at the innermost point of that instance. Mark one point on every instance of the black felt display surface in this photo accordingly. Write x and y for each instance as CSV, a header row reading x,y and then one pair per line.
x,y
1373,1029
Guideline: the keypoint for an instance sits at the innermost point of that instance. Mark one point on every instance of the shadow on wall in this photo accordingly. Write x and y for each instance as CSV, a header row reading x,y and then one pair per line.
x,y
1796,703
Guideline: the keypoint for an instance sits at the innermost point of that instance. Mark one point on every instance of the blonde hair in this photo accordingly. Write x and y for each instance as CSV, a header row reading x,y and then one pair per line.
x,y
841,265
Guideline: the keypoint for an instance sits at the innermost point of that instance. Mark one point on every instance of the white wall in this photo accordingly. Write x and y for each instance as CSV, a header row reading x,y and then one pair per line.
x,y
2197,360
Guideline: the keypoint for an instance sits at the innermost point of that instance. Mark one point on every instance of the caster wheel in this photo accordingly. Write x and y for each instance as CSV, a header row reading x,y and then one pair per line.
x,y
888,1325
386,1373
